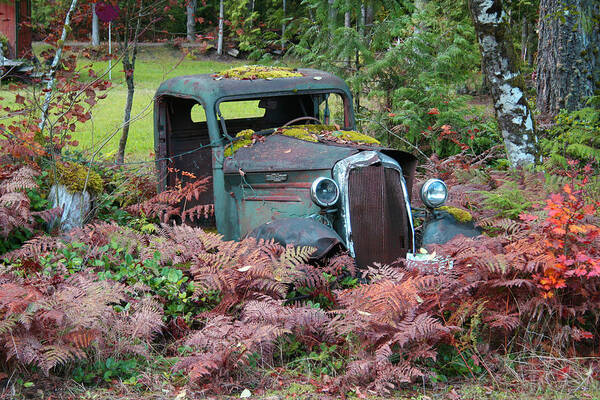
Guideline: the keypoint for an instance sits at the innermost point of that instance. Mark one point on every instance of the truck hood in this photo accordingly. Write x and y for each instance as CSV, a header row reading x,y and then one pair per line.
x,y
280,153
284,153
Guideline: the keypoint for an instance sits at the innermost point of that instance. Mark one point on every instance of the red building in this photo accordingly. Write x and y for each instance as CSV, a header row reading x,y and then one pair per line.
x,y
15,17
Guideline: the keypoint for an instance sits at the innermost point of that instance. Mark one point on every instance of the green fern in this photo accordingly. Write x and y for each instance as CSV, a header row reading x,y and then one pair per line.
x,y
576,135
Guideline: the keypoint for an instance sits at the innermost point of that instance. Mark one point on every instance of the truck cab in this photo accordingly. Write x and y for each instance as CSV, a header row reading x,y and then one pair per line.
x,y
286,163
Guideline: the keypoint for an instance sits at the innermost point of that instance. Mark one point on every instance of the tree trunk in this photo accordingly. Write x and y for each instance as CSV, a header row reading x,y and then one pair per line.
x,y
129,68
524,38
332,17
514,117
531,44
95,27
347,19
190,10
283,28
568,68
220,37
54,66
369,17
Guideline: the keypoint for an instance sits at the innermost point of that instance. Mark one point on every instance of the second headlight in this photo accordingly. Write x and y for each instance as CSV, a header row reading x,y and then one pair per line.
x,y
324,192
434,193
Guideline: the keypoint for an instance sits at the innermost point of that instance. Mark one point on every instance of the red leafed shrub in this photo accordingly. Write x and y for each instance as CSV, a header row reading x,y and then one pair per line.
x,y
541,273
178,201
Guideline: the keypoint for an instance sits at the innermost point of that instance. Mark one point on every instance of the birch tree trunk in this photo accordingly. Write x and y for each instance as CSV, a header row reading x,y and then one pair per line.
x,y
514,117
190,10
95,27
568,68
220,37
54,66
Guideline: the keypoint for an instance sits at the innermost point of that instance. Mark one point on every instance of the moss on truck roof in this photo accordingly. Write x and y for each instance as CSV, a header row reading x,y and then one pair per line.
x,y
249,72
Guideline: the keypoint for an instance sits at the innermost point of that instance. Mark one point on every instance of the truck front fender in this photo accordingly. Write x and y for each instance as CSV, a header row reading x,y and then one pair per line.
x,y
443,227
299,232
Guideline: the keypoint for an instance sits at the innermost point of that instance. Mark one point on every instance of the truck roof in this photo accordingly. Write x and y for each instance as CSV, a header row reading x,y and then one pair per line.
x,y
210,88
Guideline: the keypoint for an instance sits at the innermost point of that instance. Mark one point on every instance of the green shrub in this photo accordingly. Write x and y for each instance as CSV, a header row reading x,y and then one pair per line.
x,y
576,135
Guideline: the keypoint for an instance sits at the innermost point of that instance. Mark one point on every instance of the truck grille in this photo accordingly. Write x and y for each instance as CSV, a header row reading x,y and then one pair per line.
x,y
378,217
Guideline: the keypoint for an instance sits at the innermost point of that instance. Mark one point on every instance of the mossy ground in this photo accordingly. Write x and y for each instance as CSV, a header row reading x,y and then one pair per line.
x,y
248,72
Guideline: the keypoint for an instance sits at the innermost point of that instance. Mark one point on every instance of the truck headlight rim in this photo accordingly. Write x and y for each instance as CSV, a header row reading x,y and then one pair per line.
x,y
434,193
316,192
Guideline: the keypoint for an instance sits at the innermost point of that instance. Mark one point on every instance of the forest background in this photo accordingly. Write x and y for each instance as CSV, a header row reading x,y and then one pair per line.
x,y
130,306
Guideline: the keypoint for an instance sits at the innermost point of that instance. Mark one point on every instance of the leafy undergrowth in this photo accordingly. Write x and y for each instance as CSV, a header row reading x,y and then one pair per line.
x,y
131,303
111,304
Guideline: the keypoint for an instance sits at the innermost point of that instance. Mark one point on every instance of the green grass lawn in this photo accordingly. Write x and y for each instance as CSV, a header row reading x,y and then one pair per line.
x,y
154,65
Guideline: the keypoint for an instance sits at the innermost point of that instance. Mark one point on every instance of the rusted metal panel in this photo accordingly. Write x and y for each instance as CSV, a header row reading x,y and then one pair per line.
x,y
259,202
377,215
283,153
396,235
365,187
274,198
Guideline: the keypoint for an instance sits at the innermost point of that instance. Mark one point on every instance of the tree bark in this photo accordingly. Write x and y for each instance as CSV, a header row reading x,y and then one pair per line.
x,y
283,27
190,10
524,37
54,66
129,68
220,37
568,70
332,16
514,117
95,27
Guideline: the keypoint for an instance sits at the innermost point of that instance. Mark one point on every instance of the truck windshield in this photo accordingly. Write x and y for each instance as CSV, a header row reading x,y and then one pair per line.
x,y
273,112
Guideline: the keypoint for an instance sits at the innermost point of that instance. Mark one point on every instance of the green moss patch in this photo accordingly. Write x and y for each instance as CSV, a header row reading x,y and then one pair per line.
x,y
244,139
249,72
458,213
308,133
356,137
299,133
74,177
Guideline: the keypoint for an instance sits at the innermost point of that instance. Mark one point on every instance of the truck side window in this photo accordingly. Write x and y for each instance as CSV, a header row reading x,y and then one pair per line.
x,y
188,152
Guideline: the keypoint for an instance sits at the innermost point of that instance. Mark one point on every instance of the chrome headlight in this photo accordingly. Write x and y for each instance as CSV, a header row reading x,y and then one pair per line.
x,y
434,193
324,192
